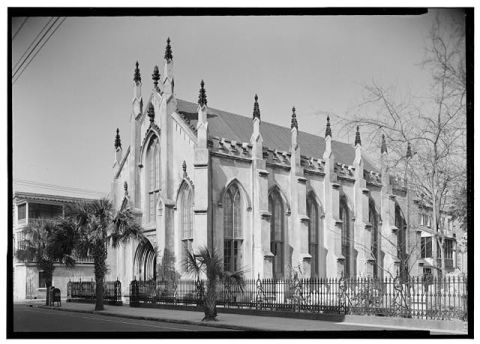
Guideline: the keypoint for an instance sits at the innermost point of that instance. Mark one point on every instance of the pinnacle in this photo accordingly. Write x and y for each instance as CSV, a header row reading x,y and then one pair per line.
x,y
136,76
168,51
256,108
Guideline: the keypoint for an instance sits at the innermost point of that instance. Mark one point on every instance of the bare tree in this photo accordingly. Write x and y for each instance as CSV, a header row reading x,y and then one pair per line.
x,y
434,126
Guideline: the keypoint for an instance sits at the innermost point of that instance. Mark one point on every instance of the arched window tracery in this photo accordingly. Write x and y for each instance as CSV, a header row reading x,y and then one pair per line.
x,y
233,232
277,233
313,234
345,236
186,218
374,238
153,179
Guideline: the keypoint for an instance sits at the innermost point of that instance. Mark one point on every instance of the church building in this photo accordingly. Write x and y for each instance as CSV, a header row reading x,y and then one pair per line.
x,y
272,200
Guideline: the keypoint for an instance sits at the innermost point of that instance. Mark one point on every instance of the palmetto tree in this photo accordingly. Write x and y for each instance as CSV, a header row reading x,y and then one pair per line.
x,y
98,225
48,242
211,264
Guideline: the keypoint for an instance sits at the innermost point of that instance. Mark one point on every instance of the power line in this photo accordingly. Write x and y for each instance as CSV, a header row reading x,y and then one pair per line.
x,y
19,28
21,68
53,186
34,40
48,38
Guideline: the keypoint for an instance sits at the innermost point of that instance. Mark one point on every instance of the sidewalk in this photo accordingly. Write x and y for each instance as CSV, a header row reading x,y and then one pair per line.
x,y
230,321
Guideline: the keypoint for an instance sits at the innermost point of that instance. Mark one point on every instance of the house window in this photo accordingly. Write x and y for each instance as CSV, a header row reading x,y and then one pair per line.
x,y
426,247
345,236
186,218
21,240
449,249
22,211
44,211
425,220
232,236
153,180
42,282
275,207
372,218
448,253
312,213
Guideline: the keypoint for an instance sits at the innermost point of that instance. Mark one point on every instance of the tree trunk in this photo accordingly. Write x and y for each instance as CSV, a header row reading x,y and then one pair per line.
x,y
47,268
100,270
48,284
210,303
99,293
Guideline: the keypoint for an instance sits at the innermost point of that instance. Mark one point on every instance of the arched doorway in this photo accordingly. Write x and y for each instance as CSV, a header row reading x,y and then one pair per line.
x,y
145,262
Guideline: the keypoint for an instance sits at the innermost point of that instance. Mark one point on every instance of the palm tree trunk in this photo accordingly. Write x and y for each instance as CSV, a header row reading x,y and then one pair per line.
x,y
210,305
99,293
47,268
48,284
100,270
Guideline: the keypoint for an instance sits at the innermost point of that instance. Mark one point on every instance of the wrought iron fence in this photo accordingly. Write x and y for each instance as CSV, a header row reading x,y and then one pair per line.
x,y
187,292
85,290
417,297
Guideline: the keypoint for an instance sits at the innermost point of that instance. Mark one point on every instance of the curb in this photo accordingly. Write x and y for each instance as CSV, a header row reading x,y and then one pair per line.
x,y
446,326
168,320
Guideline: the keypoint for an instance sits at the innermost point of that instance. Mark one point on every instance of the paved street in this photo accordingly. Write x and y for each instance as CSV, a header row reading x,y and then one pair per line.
x,y
32,319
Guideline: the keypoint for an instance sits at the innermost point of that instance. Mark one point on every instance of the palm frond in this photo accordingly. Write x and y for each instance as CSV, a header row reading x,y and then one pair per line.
x,y
191,265
125,227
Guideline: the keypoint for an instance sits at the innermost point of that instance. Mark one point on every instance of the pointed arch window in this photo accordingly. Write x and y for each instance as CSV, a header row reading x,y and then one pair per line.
x,y
313,234
186,218
346,244
401,243
277,230
233,233
153,179
374,243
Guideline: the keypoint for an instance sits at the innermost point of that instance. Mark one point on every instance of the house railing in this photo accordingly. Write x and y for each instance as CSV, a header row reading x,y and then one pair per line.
x,y
418,297
86,291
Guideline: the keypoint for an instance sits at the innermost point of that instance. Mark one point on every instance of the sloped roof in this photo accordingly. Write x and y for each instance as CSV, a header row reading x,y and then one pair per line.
x,y
29,189
239,128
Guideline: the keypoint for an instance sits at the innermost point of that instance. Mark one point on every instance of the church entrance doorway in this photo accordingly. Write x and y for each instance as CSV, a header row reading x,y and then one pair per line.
x,y
145,262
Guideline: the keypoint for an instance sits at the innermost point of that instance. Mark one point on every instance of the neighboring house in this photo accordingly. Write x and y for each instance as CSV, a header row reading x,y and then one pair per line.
x,y
34,202
430,249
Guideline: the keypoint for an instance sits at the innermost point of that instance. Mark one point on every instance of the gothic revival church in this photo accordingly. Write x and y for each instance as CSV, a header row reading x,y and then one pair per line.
x,y
271,200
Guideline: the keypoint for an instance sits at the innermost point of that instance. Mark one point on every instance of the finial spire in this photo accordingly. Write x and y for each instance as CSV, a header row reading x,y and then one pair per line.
x,y
184,167
155,77
358,141
168,51
409,151
328,131
118,143
151,112
256,108
136,76
384,145
125,187
202,95
294,123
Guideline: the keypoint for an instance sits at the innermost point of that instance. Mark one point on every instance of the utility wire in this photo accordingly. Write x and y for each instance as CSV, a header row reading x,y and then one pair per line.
x,y
21,67
39,49
33,42
53,186
19,28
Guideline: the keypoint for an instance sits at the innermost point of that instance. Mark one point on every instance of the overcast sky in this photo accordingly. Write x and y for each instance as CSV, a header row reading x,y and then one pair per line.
x,y
78,89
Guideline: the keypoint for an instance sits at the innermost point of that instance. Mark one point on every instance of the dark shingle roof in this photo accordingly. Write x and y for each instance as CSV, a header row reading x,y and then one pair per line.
x,y
239,128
